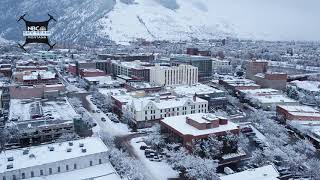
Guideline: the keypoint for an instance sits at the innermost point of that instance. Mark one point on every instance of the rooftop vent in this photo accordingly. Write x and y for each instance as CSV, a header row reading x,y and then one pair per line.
x,y
83,150
70,143
10,158
68,149
51,148
81,145
9,166
25,152
32,156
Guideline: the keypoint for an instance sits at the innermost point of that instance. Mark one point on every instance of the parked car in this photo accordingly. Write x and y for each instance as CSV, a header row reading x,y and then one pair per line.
x,y
103,119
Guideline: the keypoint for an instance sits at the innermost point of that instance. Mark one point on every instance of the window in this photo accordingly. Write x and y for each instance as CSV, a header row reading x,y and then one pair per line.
x,y
4,178
67,167
23,175
41,172
32,174
50,170
58,168
146,118
100,162
146,112
75,166
90,163
14,177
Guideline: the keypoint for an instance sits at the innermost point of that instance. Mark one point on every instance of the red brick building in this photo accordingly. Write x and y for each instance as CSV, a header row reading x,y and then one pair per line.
x,y
256,66
91,72
186,128
298,113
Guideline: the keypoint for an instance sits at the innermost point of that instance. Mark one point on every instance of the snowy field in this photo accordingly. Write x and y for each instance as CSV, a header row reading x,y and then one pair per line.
x,y
159,170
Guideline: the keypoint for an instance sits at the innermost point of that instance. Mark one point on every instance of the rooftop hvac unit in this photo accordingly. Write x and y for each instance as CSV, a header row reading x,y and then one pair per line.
x,y
51,148
70,143
25,152
81,145
10,159
9,166
83,150
69,150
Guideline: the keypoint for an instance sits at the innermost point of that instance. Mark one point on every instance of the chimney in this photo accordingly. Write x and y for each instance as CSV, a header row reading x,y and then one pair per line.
x,y
195,97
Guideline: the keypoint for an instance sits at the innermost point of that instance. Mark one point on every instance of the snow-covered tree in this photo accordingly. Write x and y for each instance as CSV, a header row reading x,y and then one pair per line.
x,y
155,138
210,148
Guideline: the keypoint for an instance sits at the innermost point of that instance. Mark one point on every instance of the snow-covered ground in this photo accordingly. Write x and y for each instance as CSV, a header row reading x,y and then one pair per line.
x,y
114,129
159,170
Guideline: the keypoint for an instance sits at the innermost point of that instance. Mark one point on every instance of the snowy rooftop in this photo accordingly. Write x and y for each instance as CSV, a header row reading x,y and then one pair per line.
x,y
179,123
301,110
22,109
133,64
39,155
102,80
141,103
99,172
239,82
262,91
33,75
114,91
268,172
313,86
277,98
197,88
141,85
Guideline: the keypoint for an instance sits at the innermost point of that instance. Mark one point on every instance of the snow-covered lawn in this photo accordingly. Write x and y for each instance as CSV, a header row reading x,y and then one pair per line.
x,y
114,129
159,170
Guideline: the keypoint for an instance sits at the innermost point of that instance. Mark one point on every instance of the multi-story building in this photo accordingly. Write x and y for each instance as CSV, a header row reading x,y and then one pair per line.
x,y
215,97
175,75
272,80
235,84
297,113
145,57
256,66
148,111
186,128
42,120
220,64
91,72
35,77
203,63
73,159
135,69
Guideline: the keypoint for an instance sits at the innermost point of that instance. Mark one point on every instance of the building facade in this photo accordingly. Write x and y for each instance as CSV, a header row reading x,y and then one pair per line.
x,y
147,112
175,75
50,159
186,128
203,63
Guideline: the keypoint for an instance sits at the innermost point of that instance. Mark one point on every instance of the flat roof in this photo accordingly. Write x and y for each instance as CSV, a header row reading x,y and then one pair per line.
x,y
194,89
141,103
268,172
179,123
301,110
58,109
42,154
98,172
260,91
276,98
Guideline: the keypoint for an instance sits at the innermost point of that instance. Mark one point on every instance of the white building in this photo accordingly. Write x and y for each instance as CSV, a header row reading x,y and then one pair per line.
x,y
174,75
220,64
51,159
147,111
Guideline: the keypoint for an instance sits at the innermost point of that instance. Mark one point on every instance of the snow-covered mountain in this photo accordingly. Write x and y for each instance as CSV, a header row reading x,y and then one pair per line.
x,y
125,20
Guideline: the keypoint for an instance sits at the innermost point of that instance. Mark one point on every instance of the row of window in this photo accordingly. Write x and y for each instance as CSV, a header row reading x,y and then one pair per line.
x,y
177,114
23,175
